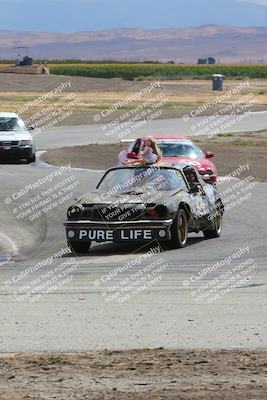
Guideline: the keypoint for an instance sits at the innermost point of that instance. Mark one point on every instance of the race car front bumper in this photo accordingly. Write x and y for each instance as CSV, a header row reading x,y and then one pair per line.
x,y
117,231
16,152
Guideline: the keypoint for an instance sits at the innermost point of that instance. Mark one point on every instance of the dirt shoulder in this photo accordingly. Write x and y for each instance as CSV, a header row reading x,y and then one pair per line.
x,y
230,151
135,374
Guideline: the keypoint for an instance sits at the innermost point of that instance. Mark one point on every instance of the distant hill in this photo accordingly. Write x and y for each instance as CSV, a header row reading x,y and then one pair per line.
x,y
226,44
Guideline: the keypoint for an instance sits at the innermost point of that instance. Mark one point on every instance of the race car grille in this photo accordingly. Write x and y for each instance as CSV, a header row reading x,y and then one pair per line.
x,y
9,143
100,212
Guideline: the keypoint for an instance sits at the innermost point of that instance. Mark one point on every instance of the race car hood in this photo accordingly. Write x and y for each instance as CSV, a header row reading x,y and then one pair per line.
x,y
138,196
10,135
198,163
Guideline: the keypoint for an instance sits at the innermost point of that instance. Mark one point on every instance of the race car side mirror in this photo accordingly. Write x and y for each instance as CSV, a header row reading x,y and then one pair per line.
x,y
194,187
30,128
209,154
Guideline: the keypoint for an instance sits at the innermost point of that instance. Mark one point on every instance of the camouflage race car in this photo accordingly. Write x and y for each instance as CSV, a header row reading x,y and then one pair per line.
x,y
160,202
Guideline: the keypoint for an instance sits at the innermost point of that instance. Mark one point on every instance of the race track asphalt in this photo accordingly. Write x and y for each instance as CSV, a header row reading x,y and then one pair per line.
x,y
88,134
77,316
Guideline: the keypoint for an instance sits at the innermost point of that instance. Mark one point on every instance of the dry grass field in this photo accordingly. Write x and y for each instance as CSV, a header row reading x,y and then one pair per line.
x,y
94,95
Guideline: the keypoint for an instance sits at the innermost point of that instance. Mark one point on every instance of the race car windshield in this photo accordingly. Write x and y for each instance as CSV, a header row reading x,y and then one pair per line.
x,y
127,180
11,124
187,150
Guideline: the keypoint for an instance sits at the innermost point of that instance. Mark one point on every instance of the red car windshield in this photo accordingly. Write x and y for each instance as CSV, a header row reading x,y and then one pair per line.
x,y
174,149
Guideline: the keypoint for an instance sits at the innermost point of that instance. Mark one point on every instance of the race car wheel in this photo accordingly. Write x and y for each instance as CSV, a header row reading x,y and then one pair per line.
x,y
179,230
79,247
216,228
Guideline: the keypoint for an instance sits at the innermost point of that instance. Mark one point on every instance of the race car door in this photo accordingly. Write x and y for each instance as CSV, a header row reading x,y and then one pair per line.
x,y
201,206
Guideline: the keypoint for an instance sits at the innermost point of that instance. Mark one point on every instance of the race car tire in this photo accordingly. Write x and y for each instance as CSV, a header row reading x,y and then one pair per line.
x,y
215,230
179,230
79,247
31,158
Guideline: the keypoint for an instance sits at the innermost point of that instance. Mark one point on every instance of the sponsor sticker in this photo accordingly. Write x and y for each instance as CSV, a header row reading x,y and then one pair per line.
x,y
105,235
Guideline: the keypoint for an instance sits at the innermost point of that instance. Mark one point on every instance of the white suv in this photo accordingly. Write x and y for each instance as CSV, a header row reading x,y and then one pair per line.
x,y
15,140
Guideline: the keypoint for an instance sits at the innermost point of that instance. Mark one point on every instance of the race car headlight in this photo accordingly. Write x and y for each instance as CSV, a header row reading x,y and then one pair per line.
x,y
158,212
161,210
24,143
74,212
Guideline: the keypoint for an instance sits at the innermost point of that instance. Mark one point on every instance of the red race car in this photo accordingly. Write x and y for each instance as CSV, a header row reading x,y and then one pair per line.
x,y
179,149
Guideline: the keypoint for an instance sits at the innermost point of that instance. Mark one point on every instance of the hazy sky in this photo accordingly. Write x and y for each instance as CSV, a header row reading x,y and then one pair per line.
x,y
263,2
81,15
